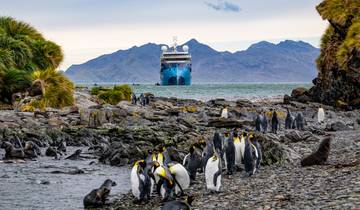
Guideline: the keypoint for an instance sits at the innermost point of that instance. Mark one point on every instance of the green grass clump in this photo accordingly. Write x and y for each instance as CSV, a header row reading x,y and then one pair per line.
x,y
113,95
26,57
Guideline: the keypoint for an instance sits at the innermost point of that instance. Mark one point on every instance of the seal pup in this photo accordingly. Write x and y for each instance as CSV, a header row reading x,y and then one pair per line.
x,y
11,152
179,205
320,156
98,197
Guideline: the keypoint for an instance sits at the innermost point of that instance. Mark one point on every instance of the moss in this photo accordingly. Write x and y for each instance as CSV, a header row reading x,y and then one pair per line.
x,y
113,95
350,45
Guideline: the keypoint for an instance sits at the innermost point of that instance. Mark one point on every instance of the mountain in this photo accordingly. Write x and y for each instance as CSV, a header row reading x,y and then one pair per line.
x,y
288,61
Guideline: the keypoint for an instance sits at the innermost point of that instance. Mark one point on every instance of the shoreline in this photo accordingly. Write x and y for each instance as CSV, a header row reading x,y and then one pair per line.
x,y
123,133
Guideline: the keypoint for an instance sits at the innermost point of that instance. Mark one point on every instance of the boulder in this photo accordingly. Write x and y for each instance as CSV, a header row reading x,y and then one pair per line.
x,y
228,123
275,152
298,136
337,126
297,92
300,94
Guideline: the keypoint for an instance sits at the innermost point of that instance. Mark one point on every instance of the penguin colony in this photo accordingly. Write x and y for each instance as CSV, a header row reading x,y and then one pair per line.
x,y
225,152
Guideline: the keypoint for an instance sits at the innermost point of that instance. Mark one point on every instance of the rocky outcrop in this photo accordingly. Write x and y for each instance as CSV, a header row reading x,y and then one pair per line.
x,y
338,80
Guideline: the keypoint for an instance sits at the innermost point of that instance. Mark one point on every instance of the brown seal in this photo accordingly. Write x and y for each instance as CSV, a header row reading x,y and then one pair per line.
x,y
320,156
11,152
97,197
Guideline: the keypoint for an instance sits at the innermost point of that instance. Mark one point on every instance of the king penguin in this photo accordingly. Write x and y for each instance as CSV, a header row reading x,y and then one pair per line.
x,y
213,171
242,144
165,184
218,143
249,157
257,150
181,177
274,122
321,115
300,121
224,113
141,185
207,153
193,161
288,119
229,153
237,143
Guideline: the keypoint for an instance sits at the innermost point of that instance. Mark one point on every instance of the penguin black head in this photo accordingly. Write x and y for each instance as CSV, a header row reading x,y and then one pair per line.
x,y
244,134
226,134
192,149
275,113
235,133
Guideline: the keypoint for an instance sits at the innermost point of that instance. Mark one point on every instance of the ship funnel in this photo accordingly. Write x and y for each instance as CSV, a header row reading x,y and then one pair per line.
x,y
164,48
186,48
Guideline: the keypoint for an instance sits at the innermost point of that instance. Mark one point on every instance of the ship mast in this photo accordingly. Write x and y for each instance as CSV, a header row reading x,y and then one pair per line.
x,y
175,43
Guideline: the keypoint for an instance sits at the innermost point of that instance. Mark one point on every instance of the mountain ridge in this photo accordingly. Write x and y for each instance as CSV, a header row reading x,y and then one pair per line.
x,y
287,61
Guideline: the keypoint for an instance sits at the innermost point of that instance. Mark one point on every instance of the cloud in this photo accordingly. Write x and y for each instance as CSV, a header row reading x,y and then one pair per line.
x,y
222,5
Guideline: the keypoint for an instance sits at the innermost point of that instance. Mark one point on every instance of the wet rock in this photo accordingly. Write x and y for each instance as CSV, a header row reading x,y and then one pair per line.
x,y
51,152
274,152
298,136
227,123
337,126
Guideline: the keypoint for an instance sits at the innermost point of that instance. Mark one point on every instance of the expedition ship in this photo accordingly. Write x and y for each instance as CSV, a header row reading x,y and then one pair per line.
x,y
175,66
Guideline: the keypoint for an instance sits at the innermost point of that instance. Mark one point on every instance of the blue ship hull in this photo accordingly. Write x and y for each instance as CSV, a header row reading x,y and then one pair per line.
x,y
175,74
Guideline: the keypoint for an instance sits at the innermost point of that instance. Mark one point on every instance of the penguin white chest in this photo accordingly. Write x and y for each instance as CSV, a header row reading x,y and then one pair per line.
x,y
224,113
182,177
237,152
242,147
213,174
135,182
321,115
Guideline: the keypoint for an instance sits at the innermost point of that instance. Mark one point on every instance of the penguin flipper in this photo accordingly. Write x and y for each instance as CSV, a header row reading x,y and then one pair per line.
x,y
216,175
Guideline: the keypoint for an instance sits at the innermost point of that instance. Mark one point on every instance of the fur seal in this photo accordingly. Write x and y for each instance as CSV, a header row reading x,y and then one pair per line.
x,y
98,197
183,205
11,152
75,155
320,156
31,150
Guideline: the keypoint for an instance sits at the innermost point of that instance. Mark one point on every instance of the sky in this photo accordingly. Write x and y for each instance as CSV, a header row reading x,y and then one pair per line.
x,y
89,28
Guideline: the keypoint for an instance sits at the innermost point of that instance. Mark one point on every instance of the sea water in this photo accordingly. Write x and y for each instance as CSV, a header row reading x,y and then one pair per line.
x,y
205,92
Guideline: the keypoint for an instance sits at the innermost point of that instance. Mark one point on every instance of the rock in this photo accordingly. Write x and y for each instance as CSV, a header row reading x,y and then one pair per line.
x,y
298,136
274,152
300,94
189,109
355,103
286,99
297,92
337,126
342,105
228,123
83,100
244,103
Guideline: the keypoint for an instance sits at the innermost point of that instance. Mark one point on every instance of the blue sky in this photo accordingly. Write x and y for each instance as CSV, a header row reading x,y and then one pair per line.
x,y
89,28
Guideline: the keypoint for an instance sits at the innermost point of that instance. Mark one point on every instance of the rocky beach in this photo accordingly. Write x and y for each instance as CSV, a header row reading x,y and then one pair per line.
x,y
118,135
